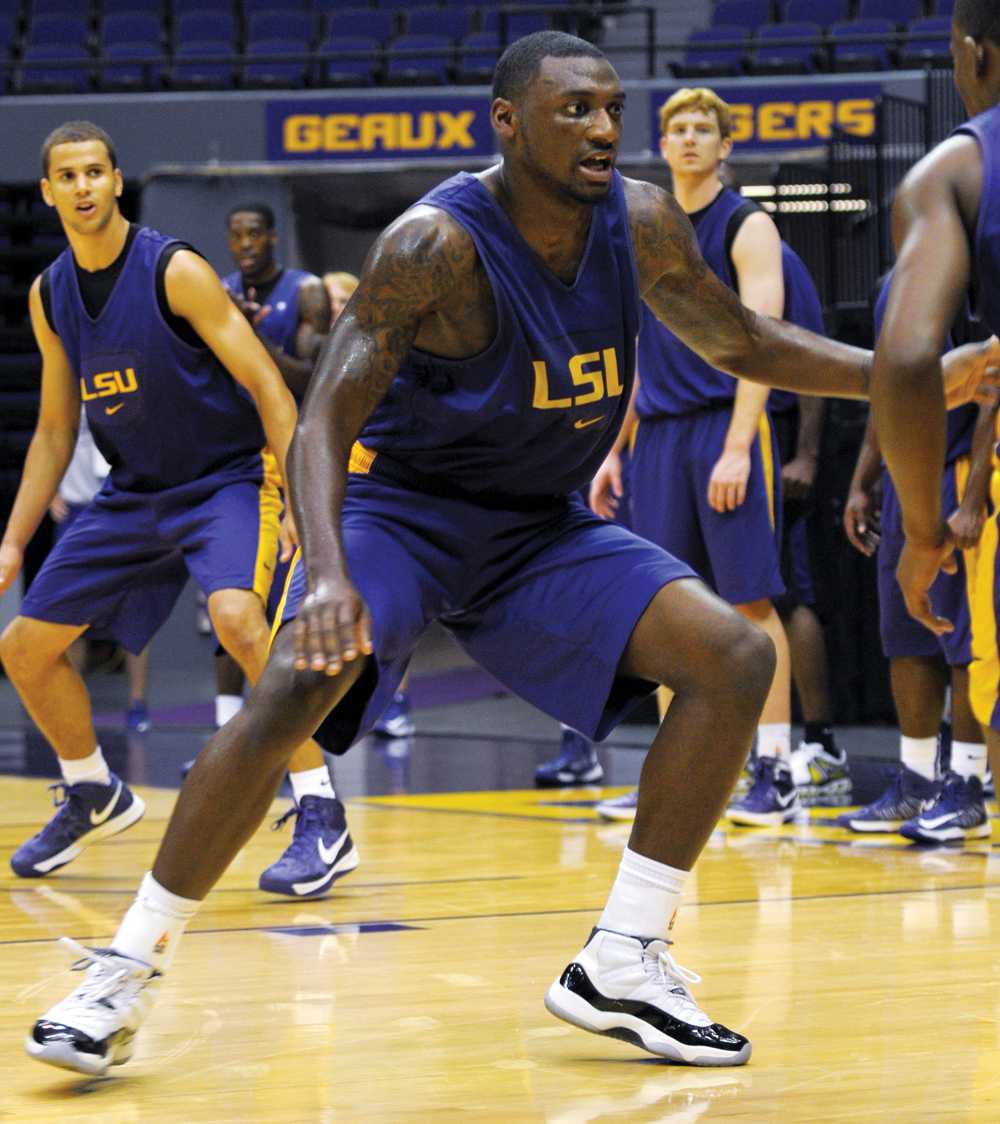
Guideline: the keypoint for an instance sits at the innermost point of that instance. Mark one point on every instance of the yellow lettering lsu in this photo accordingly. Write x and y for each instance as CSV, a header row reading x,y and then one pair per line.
x,y
595,370
107,383
429,130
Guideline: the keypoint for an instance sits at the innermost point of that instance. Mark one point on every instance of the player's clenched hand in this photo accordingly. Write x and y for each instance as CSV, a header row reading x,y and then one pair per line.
x,y
798,477
727,486
606,487
972,373
288,536
10,565
967,526
919,565
861,521
332,627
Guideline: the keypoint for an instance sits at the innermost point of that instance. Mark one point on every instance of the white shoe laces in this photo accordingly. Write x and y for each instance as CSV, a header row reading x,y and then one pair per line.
x,y
106,972
666,971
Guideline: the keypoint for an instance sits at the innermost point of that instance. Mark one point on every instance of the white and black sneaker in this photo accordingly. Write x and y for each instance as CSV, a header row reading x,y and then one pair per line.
x,y
632,989
95,1025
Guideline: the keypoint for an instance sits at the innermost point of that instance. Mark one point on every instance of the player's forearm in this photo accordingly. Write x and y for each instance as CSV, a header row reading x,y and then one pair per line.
x,y
48,457
278,416
977,488
909,416
811,414
744,423
868,468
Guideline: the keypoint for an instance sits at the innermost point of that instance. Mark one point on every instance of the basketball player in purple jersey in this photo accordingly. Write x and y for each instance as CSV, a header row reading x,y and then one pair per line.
x,y
475,381
181,400
946,224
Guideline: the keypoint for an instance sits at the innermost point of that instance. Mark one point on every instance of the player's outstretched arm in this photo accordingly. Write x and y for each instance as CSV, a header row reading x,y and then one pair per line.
x,y
195,293
422,263
686,295
52,443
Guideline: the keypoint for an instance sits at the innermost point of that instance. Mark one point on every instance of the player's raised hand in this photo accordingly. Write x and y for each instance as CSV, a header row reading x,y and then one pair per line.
x,y
727,486
332,628
11,559
606,487
919,564
972,373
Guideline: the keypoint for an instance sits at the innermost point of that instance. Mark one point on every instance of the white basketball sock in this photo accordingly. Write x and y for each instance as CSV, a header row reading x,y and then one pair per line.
x,y
920,755
644,897
86,770
312,782
775,740
226,707
968,759
152,928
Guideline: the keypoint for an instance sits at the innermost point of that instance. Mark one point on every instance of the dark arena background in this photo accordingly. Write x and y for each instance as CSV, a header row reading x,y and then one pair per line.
x,y
862,966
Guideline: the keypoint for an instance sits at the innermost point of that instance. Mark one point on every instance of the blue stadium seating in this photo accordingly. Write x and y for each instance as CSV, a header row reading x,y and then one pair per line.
x,y
774,55
478,65
71,31
154,7
206,27
455,23
704,58
35,78
182,7
191,71
861,56
367,22
418,70
265,71
55,8
518,23
280,25
824,12
896,11
131,27
750,14
115,75
944,8
253,7
363,70
920,49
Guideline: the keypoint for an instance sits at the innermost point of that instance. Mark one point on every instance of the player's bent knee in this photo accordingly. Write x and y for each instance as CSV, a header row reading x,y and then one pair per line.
x,y
754,658
22,650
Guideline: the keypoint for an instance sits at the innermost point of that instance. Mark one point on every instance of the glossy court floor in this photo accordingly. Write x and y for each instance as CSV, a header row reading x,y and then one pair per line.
x,y
864,970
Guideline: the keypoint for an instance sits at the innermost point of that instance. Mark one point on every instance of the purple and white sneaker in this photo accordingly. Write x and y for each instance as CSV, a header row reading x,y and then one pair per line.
x,y
957,813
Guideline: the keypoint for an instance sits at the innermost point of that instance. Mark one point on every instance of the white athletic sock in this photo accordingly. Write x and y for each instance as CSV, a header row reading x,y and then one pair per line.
x,y
312,782
226,707
152,928
775,740
920,755
86,770
968,759
644,897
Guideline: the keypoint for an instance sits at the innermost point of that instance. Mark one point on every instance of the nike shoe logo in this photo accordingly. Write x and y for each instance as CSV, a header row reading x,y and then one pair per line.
x,y
582,423
109,410
938,821
328,854
97,818
785,799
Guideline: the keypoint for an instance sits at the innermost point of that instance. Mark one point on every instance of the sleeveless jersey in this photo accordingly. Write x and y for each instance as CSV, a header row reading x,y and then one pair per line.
x,y
535,413
802,307
986,252
673,380
281,324
962,420
162,412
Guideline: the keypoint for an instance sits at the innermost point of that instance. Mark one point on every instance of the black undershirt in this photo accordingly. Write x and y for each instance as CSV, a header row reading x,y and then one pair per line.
x,y
96,287
263,290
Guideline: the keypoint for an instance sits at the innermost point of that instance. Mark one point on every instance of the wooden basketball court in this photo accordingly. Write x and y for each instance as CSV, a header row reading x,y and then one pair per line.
x,y
864,971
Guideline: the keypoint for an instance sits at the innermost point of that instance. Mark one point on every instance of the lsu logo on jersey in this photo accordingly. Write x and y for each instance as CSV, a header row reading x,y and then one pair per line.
x,y
595,373
109,384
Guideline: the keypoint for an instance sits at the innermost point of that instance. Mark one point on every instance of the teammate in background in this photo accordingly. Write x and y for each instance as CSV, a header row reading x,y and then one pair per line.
x,y
428,485
819,765
914,803
705,469
339,286
82,481
181,400
946,218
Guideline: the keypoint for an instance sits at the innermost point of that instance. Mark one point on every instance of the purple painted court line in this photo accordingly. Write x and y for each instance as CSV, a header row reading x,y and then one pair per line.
x,y
445,688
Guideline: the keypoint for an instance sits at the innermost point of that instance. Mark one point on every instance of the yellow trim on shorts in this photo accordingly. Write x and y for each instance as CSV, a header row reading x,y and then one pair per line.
x,y
280,611
361,459
984,671
269,510
767,457
632,434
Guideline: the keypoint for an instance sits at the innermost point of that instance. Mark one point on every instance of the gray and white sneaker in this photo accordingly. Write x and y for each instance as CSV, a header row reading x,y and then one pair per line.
x,y
620,809
95,1025
631,988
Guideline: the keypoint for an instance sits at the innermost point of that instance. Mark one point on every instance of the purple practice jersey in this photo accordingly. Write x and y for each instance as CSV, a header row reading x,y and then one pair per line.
x,y
281,324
